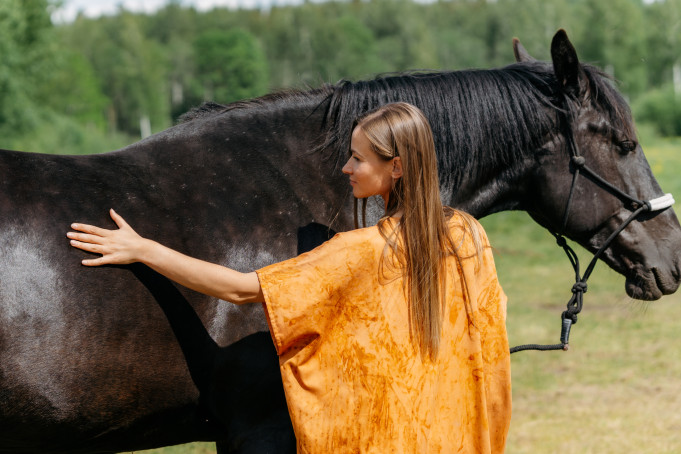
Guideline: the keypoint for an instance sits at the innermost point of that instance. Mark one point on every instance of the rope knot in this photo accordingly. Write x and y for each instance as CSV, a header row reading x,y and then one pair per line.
x,y
578,161
568,315
561,241
579,287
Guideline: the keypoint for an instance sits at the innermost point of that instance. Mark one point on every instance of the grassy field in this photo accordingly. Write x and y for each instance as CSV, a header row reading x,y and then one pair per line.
x,y
618,389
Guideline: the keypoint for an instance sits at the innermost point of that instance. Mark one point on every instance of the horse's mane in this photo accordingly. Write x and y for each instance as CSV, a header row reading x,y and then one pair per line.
x,y
288,96
206,109
480,118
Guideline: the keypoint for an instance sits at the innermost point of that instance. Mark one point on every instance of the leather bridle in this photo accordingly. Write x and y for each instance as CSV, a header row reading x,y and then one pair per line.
x,y
574,306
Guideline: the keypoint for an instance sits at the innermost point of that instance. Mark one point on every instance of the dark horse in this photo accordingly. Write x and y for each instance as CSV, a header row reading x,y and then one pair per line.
x,y
119,359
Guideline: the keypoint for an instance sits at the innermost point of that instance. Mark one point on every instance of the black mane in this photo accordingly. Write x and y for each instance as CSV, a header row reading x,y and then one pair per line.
x,y
290,96
495,112
206,109
500,113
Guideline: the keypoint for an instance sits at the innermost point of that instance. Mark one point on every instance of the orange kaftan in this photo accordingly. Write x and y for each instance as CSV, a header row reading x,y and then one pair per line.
x,y
353,379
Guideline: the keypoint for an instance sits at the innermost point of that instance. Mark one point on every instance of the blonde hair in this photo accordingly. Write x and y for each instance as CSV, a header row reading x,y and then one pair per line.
x,y
420,242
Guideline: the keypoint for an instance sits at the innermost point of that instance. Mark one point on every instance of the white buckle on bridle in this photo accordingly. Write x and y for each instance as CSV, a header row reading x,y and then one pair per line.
x,y
661,203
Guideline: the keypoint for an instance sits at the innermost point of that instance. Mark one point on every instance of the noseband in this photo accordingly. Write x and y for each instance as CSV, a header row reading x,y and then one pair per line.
x,y
574,306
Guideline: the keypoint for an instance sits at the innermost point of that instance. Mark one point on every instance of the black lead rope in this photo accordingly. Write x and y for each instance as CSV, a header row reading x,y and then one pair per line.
x,y
574,306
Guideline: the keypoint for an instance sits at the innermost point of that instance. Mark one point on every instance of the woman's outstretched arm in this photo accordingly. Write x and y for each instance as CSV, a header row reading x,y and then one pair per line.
x,y
124,246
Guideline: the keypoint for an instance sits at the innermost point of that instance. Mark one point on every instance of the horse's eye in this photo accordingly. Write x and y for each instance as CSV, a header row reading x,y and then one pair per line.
x,y
628,146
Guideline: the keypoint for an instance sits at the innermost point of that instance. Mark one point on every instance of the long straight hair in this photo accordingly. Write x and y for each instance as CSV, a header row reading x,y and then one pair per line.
x,y
420,241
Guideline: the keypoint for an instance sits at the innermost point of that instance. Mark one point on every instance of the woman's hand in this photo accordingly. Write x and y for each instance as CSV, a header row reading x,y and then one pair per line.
x,y
124,246
118,247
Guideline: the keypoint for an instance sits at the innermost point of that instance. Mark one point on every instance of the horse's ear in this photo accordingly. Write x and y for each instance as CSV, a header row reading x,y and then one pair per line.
x,y
520,53
569,73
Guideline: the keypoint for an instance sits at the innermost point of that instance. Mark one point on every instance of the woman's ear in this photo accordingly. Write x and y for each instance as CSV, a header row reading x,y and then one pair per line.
x,y
397,168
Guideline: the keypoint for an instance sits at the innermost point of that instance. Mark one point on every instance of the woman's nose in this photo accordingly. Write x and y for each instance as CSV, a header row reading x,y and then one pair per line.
x,y
346,168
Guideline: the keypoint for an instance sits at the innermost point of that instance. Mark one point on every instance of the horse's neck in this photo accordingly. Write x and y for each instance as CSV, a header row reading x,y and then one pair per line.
x,y
490,190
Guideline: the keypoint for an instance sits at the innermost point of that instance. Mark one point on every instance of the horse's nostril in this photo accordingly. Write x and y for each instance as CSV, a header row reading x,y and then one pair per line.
x,y
674,271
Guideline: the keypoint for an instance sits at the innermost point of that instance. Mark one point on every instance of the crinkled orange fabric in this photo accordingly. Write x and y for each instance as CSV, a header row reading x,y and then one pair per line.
x,y
353,379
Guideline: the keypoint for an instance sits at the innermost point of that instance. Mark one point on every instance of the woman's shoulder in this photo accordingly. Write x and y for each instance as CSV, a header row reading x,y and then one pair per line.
x,y
359,237
461,223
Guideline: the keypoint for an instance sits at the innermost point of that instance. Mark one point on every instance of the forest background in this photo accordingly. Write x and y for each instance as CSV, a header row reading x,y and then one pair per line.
x,y
95,84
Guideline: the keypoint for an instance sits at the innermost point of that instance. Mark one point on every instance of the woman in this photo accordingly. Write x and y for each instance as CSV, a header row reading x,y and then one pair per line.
x,y
391,338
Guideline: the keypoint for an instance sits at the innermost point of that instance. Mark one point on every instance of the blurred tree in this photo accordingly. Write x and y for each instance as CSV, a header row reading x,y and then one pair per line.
x,y
73,89
138,83
663,41
230,65
613,38
174,27
25,47
185,89
343,48
132,70
534,22
285,53
662,109
403,37
172,22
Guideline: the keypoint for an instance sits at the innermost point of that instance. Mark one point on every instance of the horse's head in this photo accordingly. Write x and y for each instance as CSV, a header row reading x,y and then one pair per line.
x,y
596,124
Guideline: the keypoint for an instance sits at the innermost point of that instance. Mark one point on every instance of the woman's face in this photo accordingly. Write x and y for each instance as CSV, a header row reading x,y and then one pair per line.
x,y
369,173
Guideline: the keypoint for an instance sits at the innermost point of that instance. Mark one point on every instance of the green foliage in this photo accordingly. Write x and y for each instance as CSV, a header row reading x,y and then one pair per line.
x,y
131,68
662,108
24,47
663,40
73,89
230,65
112,73
613,38
59,134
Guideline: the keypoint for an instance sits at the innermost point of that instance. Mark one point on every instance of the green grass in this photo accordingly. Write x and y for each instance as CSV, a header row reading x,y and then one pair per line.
x,y
191,448
618,389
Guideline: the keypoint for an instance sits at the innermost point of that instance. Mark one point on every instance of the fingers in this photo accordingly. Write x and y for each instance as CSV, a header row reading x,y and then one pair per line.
x,y
95,262
109,255
91,247
87,246
85,238
118,219
116,246
90,229
91,240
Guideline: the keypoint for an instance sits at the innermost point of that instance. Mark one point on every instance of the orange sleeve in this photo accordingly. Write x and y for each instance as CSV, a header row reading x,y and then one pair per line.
x,y
302,293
